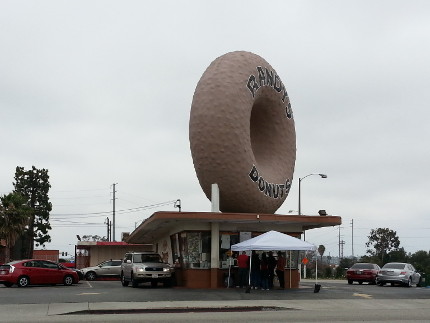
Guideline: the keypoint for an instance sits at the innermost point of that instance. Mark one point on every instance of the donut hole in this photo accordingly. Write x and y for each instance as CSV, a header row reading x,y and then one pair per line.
x,y
265,132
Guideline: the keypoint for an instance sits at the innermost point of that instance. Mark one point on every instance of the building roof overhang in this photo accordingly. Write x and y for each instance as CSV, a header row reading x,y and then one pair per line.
x,y
162,223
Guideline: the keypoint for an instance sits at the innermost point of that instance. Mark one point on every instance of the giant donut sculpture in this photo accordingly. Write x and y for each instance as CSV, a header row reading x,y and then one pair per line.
x,y
242,134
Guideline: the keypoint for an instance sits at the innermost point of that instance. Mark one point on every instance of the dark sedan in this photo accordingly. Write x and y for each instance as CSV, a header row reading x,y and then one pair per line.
x,y
362,272
36,272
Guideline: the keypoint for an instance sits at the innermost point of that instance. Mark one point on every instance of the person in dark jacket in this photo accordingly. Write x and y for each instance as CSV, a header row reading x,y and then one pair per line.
x,y
255,270
264,270
271,262
280,268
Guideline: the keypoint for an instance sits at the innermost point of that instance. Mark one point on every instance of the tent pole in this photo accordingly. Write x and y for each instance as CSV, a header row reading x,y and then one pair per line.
x,y
248,288
316,270
290,268
229,269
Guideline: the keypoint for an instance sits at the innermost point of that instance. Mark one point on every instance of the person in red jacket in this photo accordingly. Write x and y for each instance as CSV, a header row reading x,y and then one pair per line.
x,y
243,264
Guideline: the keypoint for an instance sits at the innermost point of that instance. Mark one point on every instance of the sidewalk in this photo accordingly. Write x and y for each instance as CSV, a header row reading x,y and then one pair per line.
x,y
55,311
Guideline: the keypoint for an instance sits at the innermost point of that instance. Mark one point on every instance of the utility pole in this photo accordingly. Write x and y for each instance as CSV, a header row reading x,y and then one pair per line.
x,y
342,244
108,223
352,237
113,212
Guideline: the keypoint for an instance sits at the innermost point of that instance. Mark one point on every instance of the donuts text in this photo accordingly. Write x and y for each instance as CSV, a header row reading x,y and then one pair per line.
x,y
269,189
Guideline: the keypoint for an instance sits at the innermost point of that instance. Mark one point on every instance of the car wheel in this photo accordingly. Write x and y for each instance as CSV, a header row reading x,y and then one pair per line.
x,y
23,281
123,281
91,275
68,280
7,284
419,282
154,283
350,281
134,283
381,284
409,284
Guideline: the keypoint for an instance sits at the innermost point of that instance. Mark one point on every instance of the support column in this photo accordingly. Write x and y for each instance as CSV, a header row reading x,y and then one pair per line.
x,y
215,197
214,254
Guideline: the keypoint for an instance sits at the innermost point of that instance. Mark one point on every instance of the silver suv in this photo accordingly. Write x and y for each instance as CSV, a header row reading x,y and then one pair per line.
x,y
140,267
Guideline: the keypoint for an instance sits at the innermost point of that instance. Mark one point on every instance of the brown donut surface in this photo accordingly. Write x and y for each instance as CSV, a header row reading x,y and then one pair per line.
x,y
242,134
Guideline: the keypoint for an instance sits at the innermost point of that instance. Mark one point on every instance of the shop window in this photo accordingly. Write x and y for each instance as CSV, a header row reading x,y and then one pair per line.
x,y
192,249
227,239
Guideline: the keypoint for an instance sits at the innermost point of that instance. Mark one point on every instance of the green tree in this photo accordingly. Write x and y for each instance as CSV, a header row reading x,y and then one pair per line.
x,y
34,185
371,259
398,255
382,240
14,216
321,250
344,264
421,261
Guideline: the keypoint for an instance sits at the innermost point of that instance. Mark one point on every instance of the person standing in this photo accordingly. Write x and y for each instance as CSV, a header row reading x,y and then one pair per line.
x,y
255,270
243,264
271,264
264,268
280,268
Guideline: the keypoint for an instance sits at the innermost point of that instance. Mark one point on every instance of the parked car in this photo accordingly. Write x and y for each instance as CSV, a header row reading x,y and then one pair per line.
x,y
108,268
140,267
36,272
398,273
362,272
79,272
72,265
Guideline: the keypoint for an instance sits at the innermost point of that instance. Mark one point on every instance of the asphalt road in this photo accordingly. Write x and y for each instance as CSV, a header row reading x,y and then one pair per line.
x,y
113,291
105,301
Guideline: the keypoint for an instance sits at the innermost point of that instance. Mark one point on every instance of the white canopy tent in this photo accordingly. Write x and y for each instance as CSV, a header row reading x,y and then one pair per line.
x,y
274,241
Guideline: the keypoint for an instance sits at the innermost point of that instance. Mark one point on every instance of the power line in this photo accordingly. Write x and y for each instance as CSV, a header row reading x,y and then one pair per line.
x,y
136,209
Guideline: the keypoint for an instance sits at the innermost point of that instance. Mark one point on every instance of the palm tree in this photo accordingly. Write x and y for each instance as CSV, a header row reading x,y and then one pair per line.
x,y
14,215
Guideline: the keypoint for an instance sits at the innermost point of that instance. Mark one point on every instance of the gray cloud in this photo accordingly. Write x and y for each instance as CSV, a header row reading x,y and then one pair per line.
x,y
100,93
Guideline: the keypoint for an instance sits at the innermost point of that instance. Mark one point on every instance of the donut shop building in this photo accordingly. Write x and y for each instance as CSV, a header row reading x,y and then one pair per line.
x,y
198,243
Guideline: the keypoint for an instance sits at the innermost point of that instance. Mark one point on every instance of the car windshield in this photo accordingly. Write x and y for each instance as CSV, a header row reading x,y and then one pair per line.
x,y
147,258
394,266
362,266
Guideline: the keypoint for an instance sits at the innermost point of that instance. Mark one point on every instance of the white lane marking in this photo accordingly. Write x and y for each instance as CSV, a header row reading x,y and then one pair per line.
x,y
363,295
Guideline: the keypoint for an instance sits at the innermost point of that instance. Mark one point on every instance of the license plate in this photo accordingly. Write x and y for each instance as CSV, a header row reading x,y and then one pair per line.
x,y
154,275
3,272
358,272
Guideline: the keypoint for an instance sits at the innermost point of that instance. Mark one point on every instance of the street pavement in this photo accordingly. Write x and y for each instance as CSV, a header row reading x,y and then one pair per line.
x,y
318,309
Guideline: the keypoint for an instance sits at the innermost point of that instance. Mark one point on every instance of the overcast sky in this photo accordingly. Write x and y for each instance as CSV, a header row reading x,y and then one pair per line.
x,y
99,92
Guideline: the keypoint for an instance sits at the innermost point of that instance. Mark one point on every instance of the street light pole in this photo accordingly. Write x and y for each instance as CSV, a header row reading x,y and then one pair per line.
x,y
300,208
300,184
